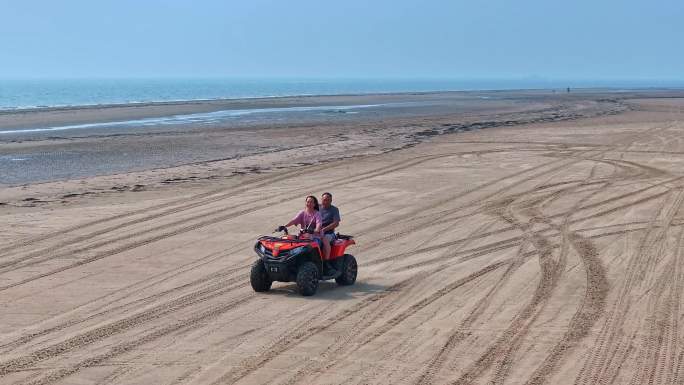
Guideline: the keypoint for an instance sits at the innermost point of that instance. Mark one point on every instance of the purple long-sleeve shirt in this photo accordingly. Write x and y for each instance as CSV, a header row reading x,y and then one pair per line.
x,y
308,221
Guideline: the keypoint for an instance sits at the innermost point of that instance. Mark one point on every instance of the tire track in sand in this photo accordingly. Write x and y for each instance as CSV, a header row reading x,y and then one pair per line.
x,y
342,349
598,367
596,289
487,249
528,237
186,203
105,308
125,347
192,205
584,317
459,334
296,337
672,374
650,360
501,352
533,237
203,223
101,332
595,294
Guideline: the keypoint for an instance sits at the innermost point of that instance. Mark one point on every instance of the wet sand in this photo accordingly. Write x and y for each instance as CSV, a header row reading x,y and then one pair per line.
x,y
383,123
514,248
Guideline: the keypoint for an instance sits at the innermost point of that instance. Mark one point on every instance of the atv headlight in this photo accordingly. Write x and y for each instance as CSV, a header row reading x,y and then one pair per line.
x,y
262,248
297,250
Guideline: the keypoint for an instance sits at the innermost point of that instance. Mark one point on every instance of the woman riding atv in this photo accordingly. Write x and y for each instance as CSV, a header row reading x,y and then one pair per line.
x,y
306,258
310,221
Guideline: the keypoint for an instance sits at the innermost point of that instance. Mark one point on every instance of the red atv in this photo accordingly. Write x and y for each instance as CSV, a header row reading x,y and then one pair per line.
x,y
298,258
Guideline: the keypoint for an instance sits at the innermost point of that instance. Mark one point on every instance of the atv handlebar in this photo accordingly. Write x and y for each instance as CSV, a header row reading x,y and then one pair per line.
x,y
284,230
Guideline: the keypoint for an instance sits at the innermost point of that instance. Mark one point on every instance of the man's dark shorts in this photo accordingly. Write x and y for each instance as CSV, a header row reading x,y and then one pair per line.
x,y
330,237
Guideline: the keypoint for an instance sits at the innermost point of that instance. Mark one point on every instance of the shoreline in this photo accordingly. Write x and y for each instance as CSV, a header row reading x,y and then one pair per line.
x,y
111,112
267,149
184,119
257,99
182,102
31,118
226,149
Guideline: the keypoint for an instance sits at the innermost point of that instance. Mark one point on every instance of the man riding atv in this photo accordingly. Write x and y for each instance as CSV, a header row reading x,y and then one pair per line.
x,y
330,216
301,258
331,219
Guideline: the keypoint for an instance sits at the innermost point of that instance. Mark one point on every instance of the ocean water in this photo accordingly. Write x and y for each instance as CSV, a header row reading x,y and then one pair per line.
x,y
19,94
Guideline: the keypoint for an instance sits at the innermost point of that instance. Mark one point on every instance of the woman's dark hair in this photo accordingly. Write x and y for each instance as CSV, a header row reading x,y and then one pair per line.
x,y
315,201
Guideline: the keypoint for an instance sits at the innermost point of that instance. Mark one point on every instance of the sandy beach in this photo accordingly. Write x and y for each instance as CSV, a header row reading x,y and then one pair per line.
x,y
502,237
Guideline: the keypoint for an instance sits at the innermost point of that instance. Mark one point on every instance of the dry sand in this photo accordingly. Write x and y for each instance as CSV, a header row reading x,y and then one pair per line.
x,y
537,253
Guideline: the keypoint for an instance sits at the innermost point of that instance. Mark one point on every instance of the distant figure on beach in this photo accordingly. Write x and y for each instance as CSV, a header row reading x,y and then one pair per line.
x,y
568,89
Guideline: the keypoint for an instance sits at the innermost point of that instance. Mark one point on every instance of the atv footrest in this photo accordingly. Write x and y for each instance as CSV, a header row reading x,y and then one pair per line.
x,y
327,277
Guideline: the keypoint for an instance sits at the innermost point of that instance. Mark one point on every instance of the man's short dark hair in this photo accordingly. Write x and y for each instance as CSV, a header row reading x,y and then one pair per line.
x,y
328,194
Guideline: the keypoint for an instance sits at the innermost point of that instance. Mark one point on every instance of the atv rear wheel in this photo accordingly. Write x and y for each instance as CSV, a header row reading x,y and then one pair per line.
x,y
349,270
307,279
258,277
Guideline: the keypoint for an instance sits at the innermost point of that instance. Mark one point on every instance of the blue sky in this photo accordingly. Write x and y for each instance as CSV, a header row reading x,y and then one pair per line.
x,y
343,39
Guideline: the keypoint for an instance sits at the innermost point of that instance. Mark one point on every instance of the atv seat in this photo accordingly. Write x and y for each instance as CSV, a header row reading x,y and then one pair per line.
x,y
339,245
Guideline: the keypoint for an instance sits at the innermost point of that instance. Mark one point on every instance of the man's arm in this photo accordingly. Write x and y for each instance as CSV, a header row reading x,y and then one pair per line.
x,y
336,222
331,226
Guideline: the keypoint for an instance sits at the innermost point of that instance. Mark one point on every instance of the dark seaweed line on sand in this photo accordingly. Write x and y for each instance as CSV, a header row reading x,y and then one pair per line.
x,y
547,115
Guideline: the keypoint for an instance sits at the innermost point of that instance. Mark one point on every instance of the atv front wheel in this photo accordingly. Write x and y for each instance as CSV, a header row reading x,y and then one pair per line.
x,y
258,277
307,279
349,270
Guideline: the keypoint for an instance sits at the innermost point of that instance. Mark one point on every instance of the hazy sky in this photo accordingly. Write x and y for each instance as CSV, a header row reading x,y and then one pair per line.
x,y
610,39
